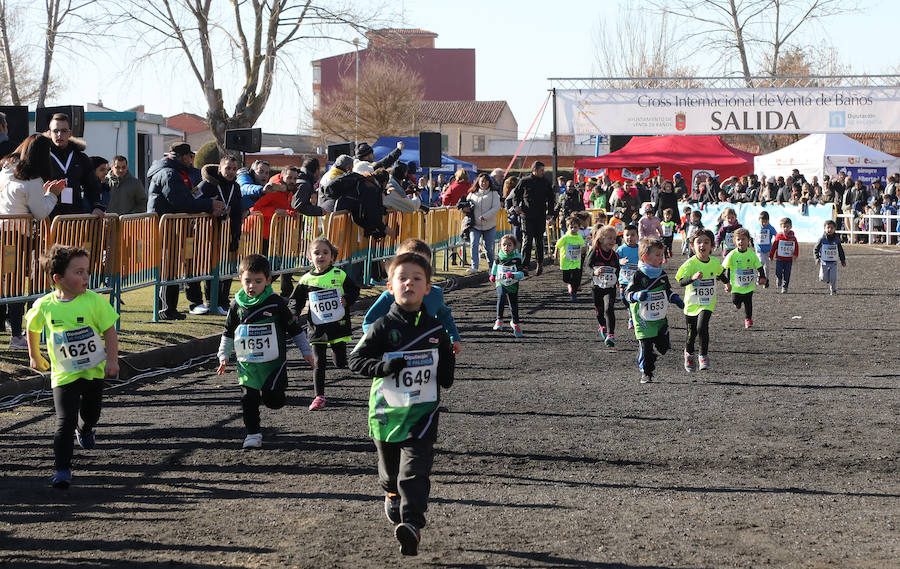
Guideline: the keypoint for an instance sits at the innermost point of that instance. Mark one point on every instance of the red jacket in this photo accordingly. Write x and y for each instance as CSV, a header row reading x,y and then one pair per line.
x,y
268,203
786,238
455,192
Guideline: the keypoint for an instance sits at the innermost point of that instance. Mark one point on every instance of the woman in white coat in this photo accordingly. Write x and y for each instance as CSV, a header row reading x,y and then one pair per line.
x,y
484,203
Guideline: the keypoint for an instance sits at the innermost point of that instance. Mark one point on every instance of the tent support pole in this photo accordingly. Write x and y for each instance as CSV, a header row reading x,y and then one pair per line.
x,y
555,141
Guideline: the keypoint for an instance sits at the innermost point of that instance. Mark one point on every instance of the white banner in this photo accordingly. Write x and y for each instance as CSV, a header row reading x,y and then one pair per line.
x,y
729,111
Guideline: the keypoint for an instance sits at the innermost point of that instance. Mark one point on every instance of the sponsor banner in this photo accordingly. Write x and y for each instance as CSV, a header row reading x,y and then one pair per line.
x,y
866,175
615,174
729,111
807,226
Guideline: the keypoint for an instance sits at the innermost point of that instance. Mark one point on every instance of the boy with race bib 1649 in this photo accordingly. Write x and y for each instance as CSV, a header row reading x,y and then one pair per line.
x,y
649,295
408,354
257,326
74,318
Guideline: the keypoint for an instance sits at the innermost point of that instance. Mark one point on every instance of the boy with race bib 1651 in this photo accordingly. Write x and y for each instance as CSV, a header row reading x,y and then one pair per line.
x,y
649,295
74,318
256,330
409,355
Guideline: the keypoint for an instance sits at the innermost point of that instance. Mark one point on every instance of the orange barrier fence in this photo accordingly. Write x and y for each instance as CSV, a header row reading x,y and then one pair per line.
x,y
100,237
139,251
18,263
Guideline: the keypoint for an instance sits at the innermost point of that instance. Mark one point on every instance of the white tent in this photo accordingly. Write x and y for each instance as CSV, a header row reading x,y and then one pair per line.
x,y
819,154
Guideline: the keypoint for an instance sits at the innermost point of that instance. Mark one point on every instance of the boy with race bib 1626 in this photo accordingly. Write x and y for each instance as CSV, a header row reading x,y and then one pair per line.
x,y
649,295
256,330
409,355
74,318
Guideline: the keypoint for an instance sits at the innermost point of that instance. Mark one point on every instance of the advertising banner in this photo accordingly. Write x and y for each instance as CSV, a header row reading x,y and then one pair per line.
x,y
807,223
867,175
729,111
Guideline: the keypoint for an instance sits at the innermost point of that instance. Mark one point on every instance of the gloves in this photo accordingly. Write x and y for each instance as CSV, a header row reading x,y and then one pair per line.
x,y
492,278
396,364
508,275
677,301
643,295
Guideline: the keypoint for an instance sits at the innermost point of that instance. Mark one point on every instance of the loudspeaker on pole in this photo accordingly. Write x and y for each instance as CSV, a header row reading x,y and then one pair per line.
x,y
335,150
243,139
430,149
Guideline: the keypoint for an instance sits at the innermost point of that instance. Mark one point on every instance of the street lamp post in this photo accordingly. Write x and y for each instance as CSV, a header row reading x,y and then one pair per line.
x,y
356,92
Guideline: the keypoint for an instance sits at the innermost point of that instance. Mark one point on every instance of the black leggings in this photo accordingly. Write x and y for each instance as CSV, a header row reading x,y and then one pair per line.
x,y
78,405
747,300
505,297
273,398
320,355
698,325
605,316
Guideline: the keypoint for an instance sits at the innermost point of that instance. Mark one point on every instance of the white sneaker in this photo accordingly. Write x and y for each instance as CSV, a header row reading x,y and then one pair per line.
x,y
498,324
253,441
221,311
200,309
471,270
18,343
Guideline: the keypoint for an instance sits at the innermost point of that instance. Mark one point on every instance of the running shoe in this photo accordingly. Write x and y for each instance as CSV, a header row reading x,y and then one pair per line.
x,y
170,315
645,378
392,507
471,270
61,479
573,297
221,311
783,289
200,309
630,324
317,404
86,439
748,323
689,364
253,441
602,329
540,269
610,341
569,289
408,536
704,362
498,324
18,343
517,331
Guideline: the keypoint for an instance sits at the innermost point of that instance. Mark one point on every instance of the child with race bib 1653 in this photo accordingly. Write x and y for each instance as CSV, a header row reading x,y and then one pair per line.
x,y
828,251
649,295
698,274
506,274
75,318
568,254
742,268
604,266
785,248
257,326
409,355
628,263
329,292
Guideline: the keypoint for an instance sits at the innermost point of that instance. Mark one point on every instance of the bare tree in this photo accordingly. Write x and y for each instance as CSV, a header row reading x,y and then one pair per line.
x,y
8,68
248,38
20,81
58,12
389,100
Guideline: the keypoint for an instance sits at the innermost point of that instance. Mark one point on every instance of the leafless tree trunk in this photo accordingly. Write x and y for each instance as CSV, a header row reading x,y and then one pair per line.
x,y
7,55
58,11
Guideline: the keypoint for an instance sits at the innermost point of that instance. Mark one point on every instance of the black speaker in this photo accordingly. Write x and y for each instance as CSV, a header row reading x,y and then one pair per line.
x,y
616,142
429,150
16,123
243,139
42,116
335,150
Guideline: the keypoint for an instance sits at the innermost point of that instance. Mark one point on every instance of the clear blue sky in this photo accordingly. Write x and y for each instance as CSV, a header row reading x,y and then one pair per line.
x,y
518,45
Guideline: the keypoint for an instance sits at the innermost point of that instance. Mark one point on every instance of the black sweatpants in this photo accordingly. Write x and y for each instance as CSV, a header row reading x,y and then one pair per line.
x,y
698,326
78,405
745,299
271,396
646,355
168,298
605,306
505,297
320,361
667,241
534,232
572,277
14,313
405,468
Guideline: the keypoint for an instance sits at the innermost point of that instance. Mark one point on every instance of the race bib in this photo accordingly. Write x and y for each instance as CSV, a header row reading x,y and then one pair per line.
x,y
654,308
325,306
729,240
785,248
501,274
764,238
78,349
704,292
416,383
255,343
573,252
745,277
627,273
606,278
829,252
668,230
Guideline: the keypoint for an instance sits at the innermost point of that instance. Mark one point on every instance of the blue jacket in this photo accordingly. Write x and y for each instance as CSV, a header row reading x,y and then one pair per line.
x,y
434,306
770,229
250,190
170,189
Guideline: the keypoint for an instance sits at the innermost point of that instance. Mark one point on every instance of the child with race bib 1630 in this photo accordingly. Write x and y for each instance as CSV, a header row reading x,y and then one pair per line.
x,y
828,251
506,274
698,274
75,318
568,254
257,326
409,356
628,263
742,268
649,295
604,266
785,248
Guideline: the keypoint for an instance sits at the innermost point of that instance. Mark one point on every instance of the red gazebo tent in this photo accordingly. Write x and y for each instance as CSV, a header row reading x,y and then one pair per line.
x,y
669,154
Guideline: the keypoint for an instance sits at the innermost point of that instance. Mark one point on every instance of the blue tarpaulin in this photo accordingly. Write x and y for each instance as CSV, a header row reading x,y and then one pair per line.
x,y
449,165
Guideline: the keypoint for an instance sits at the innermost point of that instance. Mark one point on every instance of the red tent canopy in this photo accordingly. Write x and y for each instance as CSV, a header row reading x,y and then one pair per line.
x,y
670,154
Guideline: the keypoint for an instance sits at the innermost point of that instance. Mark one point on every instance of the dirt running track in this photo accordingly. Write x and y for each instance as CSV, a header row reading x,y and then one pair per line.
x,y
551,452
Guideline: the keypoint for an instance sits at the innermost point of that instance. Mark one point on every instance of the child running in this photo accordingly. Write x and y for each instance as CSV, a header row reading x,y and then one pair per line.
x,y
785,248
764,238
650,294
256,329
75,318
433,301
329,292
828,250
699,275
649,225
408,354
685,223
568,255
628,264
669,227
604,265
725,236
506,274
741,268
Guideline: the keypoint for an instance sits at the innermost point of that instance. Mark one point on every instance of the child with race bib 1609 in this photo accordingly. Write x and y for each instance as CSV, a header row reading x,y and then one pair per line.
x,y
506,273
257,326
742,268
698,274
568,254
75,318
785,248
628,263
409,355
329,292
649,295
604,266
828,251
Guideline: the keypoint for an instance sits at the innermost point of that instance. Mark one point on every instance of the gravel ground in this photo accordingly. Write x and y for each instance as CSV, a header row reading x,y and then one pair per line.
x,y
551,454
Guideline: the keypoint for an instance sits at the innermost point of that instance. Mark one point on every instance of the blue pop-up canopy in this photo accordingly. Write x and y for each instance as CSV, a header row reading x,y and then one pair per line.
x,y
449,165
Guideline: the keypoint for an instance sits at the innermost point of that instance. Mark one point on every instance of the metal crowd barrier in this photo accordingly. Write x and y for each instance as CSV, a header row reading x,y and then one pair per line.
x,y
190,252
18,257
250,243
848,224
289,238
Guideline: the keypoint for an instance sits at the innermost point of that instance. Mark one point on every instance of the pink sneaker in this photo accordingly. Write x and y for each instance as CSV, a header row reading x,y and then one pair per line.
x,y
748,323
317,404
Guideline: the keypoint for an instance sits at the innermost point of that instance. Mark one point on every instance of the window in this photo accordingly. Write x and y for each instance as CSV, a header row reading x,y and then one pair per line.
x,y
445,143
478,143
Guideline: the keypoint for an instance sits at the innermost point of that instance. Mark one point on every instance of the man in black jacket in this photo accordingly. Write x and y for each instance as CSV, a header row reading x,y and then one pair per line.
x,y
68,160
307,179
533,198
364,153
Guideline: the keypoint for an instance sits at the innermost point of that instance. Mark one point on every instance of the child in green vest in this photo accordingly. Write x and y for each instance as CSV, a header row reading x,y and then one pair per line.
x,y
668,230
568,255
329,292
74,318
409,355
257,326
743,267
506,274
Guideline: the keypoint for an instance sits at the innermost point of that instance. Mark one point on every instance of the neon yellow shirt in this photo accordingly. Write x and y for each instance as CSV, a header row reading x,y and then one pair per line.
x,y
570,248
74,334
700,294
743,269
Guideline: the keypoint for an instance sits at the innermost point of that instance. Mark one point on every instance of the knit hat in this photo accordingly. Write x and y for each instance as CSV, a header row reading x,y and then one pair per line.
x,y
344,162
363,150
